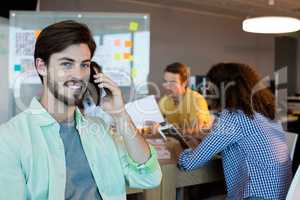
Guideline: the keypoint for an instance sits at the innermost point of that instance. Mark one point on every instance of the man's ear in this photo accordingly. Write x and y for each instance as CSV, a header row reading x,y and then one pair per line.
x,y
41,67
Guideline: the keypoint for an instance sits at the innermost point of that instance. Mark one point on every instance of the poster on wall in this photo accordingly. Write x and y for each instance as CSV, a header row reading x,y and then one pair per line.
x,y
21,50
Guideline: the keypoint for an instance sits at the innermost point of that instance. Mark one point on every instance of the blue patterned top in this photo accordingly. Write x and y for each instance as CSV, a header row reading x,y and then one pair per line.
x,y
255,155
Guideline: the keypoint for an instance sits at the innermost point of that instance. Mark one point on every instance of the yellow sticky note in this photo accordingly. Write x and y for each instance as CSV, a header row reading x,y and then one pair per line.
x,y
117,56
117,42
127,56
134,72
37,33
133,26
128,43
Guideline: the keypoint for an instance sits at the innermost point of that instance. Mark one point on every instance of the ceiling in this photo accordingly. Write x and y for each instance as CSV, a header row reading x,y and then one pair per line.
x,y
17,5
238,9
228,8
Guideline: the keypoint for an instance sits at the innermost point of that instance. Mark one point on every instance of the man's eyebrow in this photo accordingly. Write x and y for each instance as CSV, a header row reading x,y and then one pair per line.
x,y
67,59
87,60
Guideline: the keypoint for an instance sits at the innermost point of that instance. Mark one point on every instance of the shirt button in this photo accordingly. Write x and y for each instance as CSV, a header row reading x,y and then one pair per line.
x,y
142,171
92,165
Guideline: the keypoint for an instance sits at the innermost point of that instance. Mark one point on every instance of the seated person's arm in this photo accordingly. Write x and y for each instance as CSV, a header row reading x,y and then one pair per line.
x,y
224,132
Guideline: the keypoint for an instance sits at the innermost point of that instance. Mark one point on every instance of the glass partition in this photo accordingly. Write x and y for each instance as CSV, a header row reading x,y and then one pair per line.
x,y
123,46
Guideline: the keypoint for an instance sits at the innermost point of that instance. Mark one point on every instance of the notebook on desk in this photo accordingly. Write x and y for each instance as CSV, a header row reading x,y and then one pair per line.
x,y
147,109
143,110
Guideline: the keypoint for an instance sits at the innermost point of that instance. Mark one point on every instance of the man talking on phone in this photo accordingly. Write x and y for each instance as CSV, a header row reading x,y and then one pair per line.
x,y
50,151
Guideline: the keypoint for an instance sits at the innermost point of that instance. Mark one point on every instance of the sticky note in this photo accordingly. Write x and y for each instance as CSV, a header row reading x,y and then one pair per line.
x,y
134,72
133,26
37,33
17,68
117,42
117,56
128,56
128,43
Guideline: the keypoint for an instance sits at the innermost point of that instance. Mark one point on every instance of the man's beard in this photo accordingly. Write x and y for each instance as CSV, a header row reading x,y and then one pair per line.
x,y
77,97
169,93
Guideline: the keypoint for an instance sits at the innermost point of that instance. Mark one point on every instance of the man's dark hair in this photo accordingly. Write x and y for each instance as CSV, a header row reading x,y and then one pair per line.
x,y
57,37
179,68
244,89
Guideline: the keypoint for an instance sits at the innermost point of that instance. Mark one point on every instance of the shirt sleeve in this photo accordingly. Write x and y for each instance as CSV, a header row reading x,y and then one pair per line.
x,y
12,179
149,166
147,175
224,132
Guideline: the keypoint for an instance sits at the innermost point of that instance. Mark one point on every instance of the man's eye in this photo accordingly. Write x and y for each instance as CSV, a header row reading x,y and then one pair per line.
x,y
85,65
66,64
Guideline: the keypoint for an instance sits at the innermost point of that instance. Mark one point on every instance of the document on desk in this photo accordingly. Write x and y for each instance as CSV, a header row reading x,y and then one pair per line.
x,y
143,110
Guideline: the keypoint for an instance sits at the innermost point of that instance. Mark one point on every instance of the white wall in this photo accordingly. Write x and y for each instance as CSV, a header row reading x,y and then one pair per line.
x,y
192,38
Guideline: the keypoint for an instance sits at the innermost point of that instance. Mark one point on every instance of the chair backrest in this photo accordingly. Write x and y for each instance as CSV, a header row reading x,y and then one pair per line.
x,y
294,191
292,140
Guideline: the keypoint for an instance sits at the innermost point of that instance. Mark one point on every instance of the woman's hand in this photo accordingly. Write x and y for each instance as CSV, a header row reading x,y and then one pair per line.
x,y
192,141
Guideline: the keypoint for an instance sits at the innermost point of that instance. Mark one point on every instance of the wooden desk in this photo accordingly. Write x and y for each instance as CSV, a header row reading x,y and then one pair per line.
x,y
289,118
134,191
174,178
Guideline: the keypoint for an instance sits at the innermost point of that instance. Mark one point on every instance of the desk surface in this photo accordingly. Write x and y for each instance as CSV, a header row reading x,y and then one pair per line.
x,y
174,178
289,118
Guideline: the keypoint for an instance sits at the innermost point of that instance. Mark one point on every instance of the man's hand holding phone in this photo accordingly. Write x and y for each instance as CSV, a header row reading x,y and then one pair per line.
x,y
113,102
114,105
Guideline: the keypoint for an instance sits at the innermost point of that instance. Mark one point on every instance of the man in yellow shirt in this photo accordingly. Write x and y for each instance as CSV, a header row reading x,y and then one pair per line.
x,y
182,107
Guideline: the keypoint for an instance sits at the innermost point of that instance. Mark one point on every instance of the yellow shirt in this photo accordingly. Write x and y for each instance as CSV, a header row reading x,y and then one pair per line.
x,y
192,111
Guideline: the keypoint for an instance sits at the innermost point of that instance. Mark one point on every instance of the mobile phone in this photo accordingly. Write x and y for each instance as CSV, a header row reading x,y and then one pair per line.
x,y
106,92
170,131
95,70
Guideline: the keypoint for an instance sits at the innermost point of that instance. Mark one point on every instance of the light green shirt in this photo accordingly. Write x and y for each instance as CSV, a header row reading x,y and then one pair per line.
x,y
32,158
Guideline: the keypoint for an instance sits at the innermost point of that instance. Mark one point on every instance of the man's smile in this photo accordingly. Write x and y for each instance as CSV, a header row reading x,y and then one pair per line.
x,y
75,84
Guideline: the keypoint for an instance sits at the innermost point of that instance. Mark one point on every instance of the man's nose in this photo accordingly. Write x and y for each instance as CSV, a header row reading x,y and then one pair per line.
x,y
166,85
80,73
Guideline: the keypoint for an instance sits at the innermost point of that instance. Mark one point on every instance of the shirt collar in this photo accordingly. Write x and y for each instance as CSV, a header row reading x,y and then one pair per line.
x,y
186,95
187,91
79,117
43,118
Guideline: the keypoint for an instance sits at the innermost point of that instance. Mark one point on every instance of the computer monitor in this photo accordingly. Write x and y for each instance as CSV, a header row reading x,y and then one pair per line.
x,y
199,84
